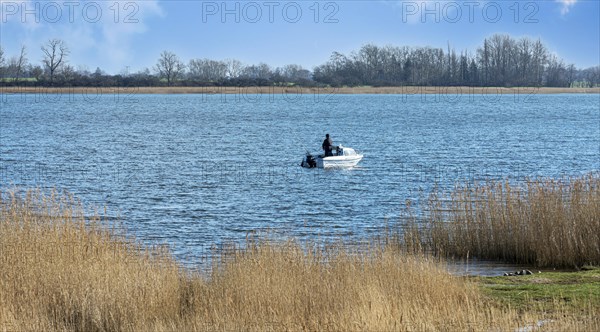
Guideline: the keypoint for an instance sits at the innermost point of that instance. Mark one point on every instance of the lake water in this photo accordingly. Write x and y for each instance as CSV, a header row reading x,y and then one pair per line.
x,y
197,170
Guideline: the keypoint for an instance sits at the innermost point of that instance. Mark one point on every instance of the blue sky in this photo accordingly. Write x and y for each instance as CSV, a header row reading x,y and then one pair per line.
x,y
114,35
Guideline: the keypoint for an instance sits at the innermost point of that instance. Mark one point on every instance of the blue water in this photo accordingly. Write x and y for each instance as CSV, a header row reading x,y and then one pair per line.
x,y
197,170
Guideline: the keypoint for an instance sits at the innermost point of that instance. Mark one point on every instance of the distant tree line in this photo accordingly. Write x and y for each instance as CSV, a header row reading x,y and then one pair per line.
x,y
500,61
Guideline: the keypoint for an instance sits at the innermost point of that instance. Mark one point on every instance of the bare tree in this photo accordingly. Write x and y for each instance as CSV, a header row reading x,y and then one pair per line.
x,y
36,72
68,72
524,65
1,62
234,68
55,54
207,70
594,76
571,71
500,61
260,71
540,60
169,66
294,72
18,63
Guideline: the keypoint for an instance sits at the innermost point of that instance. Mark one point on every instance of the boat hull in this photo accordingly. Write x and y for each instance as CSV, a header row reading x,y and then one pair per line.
x,y
338,161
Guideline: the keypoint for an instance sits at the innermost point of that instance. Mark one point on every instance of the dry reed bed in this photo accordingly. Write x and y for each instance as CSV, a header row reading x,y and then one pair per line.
x,y
550,223
62,271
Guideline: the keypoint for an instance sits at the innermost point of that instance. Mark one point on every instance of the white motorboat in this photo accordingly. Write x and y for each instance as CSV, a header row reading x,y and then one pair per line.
x,y
342,157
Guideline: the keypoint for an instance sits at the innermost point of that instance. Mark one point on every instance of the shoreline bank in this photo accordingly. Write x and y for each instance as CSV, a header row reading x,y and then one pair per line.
x,y
402,90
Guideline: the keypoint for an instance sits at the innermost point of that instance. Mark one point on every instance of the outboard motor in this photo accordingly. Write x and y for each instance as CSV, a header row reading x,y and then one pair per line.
x,y
309,161
312,163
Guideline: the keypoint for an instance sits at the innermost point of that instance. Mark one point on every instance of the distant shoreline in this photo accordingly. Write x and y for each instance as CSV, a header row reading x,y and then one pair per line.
x,y
407,90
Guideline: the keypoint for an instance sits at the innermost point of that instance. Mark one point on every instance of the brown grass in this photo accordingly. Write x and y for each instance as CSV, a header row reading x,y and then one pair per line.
x,y
62,271
552,223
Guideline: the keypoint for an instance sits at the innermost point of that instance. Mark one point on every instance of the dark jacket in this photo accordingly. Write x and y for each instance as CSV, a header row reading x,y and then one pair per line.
x,y
327,144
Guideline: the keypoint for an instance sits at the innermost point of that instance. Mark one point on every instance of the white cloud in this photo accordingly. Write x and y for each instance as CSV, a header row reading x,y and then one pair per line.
x,y
116,37
566,5
14,11
98,33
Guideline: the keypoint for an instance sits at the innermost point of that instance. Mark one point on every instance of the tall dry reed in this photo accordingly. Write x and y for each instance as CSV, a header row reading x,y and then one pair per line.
x,y
553,223
60,271
63,271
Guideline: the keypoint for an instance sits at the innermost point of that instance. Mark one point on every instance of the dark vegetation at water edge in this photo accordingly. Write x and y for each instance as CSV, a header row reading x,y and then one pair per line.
x,y
546,223
501,61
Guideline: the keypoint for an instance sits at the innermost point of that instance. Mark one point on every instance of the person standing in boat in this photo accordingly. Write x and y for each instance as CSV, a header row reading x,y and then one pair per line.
x,y
327,146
